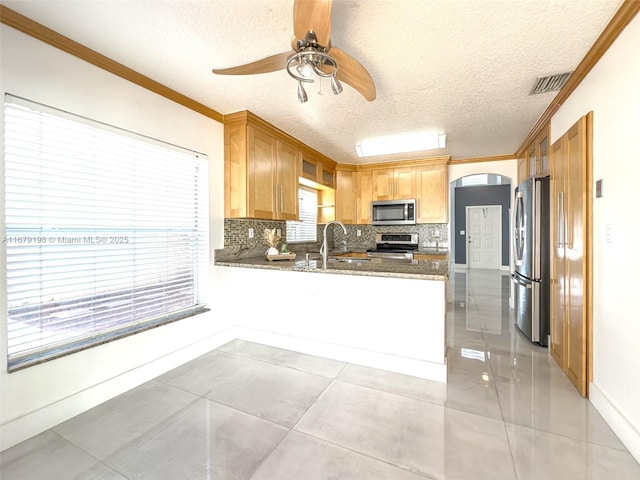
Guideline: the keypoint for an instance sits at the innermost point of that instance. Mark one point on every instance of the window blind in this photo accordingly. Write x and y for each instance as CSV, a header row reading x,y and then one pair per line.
x,y
304,230
106,232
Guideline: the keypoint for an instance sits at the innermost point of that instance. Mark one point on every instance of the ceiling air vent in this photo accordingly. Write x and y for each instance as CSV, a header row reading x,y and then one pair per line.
x,y
552,83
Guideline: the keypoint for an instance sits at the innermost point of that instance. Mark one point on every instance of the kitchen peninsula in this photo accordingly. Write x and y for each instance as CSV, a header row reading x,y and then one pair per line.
x,y
385,315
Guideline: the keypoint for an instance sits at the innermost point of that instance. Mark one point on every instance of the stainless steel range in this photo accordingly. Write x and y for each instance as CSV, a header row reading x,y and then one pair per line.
x,y
395,246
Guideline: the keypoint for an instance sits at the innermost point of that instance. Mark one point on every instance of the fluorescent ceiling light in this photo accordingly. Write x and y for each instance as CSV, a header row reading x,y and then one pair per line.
x,y
413,142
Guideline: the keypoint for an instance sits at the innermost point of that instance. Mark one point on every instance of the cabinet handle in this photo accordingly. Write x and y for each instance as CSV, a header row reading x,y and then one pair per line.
x,y
282,198
562,226
391,186
276,187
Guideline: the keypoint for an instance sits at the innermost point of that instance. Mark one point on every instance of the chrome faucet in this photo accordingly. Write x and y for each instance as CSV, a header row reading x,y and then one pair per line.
x,y
324,250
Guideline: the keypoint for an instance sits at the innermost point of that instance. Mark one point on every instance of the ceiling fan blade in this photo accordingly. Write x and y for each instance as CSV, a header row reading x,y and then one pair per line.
x,y
351,72
312,15
266,65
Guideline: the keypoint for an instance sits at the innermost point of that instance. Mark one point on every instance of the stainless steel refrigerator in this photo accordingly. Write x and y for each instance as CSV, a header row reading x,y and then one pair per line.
x,y
532,263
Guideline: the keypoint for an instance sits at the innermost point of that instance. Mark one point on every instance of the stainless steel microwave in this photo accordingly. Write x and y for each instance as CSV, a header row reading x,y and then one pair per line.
x,y
393,212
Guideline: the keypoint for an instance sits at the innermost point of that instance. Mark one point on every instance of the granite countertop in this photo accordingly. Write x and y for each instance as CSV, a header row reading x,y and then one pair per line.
x,y
416,269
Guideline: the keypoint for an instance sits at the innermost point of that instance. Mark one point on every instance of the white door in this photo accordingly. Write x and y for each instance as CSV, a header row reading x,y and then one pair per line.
x,y
484,237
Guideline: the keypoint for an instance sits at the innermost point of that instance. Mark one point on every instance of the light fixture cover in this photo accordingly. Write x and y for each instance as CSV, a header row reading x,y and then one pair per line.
x,y
405,143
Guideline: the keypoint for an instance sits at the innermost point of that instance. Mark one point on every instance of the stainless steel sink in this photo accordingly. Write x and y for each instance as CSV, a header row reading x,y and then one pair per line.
x,y
350,260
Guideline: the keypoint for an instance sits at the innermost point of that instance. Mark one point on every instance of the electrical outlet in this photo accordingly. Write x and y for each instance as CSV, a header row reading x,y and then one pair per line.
x,y
461,232
279,232
251,233
608,233
359,233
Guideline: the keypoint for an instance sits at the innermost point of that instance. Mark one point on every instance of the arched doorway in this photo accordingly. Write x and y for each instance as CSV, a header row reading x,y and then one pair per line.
x,y
475,199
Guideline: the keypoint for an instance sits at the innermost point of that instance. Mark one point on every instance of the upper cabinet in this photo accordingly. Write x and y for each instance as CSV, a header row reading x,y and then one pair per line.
x,y
432,188
272,179
394,183
346,194
535,158
261,173
364,189
425,180
262,166
317,171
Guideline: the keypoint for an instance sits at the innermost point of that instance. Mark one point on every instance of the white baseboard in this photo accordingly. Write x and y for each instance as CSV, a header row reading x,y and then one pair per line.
x,y
626,431
36,422
367,358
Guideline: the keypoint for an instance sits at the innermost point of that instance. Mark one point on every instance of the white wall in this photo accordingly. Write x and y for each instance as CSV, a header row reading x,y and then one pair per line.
x,y
39,397
612,92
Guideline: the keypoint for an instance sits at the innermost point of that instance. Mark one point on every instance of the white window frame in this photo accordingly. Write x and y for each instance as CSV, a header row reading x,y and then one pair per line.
x,y
105,232
305,229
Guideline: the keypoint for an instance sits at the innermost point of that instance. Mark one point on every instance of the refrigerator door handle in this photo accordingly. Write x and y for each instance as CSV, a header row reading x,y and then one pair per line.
x,y
516,279
518,229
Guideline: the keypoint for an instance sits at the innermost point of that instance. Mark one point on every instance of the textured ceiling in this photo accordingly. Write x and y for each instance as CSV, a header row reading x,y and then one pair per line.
x,y
460,67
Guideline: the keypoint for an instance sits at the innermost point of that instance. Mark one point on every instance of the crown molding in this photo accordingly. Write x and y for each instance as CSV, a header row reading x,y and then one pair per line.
x,y
36,30
623,16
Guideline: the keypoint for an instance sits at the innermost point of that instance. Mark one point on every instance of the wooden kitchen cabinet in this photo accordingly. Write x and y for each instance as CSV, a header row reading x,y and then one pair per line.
x,y
535,159
364,188
394,183
346,195
261,172
571,258
523,169
426,180
353,195
317,171
432,188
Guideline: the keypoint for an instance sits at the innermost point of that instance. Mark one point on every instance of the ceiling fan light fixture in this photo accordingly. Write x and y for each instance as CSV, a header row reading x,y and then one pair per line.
x,y
303,64
302,94
406,143
336,86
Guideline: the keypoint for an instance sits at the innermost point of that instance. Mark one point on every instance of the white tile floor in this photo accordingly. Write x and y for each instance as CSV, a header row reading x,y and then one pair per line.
x,y
248,411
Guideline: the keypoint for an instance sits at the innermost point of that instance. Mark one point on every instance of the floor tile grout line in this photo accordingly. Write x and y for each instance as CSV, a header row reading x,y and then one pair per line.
x,y
569,437
101,462
343,447
235,354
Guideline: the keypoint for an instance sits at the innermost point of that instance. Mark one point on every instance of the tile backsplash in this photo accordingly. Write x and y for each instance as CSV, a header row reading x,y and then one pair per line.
x,y
236,234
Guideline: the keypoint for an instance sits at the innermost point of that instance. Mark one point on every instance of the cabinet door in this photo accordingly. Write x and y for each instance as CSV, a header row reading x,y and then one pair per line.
x,y
346,202
570,294
365,196
261,174
533,161
543,151
286,188
576,275
235,171
404,183
432,188
327,176
523,169
383,184
309,169
558,259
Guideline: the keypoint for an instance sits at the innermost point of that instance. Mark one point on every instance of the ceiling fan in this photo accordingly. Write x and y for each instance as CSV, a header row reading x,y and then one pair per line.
x,y
312,54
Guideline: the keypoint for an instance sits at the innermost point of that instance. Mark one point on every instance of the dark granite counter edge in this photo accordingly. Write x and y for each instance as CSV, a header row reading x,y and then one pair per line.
x,y
298,266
